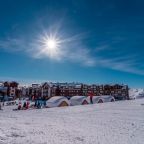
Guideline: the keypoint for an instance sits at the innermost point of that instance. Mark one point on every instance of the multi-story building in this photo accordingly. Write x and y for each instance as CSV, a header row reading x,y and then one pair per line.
x,y
72,89
49,89
12,88
46,90
3,90
9,89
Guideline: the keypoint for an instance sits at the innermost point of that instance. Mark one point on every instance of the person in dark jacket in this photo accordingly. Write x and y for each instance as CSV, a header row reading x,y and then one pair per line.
x,y
24,105
44,101
39,105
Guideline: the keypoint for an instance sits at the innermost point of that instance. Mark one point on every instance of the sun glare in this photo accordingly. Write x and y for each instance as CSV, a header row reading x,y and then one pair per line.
x,y
50,46
51,43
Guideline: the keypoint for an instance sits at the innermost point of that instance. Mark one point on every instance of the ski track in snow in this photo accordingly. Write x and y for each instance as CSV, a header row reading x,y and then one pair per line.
x,y
108,123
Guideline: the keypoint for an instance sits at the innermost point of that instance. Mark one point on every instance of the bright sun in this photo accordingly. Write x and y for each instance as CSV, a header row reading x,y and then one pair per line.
x,y
51,43
50,46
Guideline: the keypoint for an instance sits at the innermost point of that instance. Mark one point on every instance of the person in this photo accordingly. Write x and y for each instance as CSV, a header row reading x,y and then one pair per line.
x,y
44,102
19,106
33,98
24,105
38,105
35,105
0,106
91,97
27,105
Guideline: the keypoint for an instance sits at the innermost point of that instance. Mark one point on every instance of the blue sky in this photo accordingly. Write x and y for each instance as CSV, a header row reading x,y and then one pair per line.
x,y
98,41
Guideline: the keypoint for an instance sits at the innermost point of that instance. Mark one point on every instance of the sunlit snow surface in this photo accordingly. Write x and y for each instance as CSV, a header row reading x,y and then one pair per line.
x,y
108,123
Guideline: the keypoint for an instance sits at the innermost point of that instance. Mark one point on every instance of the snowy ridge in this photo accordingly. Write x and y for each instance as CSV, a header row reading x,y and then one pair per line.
x,y
136,93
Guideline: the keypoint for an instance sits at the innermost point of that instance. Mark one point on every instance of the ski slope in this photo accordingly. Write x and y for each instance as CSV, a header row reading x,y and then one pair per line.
x,y
107,123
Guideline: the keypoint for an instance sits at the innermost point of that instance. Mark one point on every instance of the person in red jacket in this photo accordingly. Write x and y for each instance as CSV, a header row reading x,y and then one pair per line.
x,y
91,96
27,105
33,98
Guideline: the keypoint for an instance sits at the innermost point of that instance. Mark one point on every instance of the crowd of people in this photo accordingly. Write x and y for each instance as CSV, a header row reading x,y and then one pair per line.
x,y
36,103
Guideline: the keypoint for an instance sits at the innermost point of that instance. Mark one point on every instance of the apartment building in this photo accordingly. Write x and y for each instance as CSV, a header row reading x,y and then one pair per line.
x,y
49,89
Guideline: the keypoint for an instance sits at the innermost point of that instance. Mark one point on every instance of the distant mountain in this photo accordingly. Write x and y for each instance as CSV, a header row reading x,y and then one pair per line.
x,y
136,93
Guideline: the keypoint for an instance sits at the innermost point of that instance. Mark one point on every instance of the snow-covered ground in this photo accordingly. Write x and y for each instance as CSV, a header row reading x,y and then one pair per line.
x,y
108,123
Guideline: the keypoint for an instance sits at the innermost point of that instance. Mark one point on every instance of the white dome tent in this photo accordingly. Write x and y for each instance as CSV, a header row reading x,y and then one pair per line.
x,y
79,100
57,101
102,99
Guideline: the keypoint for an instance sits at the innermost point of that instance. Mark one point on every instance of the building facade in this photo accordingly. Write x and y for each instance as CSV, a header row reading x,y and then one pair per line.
x,y
9,89
49,89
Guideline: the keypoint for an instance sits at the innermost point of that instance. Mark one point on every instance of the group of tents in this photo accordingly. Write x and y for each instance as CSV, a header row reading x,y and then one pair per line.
x,y
60,101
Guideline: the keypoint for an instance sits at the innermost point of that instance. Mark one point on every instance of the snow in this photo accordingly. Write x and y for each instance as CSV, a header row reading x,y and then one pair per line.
x,y
120,122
